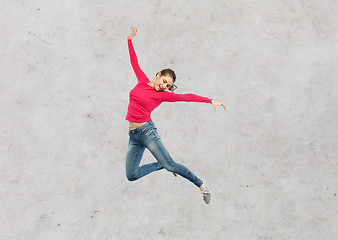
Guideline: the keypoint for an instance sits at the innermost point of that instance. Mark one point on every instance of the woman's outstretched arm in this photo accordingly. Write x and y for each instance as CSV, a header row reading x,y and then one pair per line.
x,y
189,97
133,58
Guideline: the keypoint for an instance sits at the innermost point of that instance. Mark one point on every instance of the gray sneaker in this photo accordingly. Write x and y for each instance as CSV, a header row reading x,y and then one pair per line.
x,y
206,195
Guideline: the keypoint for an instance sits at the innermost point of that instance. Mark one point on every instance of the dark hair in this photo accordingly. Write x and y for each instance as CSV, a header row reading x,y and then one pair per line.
x,y
171,73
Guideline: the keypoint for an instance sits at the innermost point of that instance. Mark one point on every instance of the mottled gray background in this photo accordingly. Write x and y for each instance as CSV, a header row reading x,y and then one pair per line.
x,y
270,159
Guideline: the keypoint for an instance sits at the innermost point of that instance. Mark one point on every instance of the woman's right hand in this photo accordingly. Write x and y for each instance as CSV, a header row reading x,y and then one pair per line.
x,y
131,36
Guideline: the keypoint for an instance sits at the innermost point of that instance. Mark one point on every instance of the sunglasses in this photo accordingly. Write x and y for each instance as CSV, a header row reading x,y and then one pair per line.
x,y
172,88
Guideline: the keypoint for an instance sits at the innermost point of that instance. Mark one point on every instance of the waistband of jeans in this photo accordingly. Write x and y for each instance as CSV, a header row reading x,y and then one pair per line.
x,y
143,125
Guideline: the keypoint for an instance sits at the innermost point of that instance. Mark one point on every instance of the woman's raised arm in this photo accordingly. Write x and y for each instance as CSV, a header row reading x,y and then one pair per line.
x,y
141,77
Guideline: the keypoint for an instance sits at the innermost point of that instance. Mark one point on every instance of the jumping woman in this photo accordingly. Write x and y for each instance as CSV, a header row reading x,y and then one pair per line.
x,y
143,99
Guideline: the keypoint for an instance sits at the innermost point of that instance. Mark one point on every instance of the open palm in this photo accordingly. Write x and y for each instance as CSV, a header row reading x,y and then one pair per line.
x,y
131,36
216,104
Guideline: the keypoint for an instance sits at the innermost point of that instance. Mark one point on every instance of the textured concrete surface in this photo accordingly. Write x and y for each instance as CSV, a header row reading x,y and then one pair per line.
x,y
270,159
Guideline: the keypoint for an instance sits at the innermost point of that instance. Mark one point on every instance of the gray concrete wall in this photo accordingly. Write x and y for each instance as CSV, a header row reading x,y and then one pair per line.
x,y
270,159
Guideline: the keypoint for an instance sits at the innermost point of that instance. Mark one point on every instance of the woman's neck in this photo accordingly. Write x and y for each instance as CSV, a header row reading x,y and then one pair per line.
x,y
151,84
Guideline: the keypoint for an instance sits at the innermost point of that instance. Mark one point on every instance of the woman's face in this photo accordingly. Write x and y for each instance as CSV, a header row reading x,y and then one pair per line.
x,y
162,83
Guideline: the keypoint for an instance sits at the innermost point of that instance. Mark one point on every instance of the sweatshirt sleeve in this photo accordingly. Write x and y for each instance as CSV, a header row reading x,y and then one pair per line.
x,y
141,77
189,97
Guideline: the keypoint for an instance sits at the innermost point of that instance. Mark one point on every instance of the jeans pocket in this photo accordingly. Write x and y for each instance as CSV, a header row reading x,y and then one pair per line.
x,y
152,134
149,131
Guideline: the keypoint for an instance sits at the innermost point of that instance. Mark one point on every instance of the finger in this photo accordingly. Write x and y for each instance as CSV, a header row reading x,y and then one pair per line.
x,y
136,29
215,108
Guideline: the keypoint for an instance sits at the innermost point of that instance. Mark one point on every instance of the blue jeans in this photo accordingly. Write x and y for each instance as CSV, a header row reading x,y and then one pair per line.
x,y
146,136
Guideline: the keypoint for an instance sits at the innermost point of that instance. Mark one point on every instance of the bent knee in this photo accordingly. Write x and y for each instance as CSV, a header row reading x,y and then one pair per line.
x,y
131,177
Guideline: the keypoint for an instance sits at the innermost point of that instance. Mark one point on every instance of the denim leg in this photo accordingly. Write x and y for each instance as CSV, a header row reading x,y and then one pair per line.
x,y
134,156
157,148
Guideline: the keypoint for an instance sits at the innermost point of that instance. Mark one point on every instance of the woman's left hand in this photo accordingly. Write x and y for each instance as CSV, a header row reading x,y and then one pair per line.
x,y
216,104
